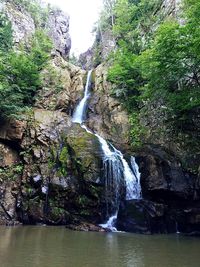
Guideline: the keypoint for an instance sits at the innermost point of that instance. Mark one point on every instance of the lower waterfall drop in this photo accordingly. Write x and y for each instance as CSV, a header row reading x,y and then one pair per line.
x,y
116,169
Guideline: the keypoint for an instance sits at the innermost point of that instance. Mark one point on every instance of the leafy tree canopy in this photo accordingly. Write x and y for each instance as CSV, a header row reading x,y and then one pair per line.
x,y
20,70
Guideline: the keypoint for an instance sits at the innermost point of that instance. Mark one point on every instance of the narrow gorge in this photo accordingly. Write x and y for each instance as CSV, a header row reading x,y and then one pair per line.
x,y
68,158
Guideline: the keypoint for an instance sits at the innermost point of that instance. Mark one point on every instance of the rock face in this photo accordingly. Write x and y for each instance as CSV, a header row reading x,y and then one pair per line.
x,y
86,59
108,44
12,130
63,85
51,169
57,180
171,200
22,23
58,29
104,44
8,156
184,143
10,170
171,7
61,174
106,115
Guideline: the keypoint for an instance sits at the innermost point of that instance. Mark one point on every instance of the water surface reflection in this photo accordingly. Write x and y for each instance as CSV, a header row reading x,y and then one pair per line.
x,y
58,247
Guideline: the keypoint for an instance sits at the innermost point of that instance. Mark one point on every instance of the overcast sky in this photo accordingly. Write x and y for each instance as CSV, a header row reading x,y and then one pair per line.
x,y
83,15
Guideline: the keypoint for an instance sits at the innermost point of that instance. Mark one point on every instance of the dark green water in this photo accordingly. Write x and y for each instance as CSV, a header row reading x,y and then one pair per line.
x,y
58,247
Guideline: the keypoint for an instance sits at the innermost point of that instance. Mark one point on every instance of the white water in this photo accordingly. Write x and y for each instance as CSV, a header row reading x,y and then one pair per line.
x,y
110,223
116,168
81,108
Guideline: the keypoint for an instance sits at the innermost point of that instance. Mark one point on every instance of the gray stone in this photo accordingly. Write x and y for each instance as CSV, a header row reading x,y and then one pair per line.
x,y
22,23
58,29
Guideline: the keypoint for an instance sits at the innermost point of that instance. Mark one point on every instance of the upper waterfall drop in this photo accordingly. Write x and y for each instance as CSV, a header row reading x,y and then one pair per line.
x,y
80,110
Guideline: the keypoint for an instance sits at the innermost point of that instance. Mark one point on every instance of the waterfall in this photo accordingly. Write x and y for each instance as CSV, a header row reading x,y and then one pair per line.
x,y
116,170
80,111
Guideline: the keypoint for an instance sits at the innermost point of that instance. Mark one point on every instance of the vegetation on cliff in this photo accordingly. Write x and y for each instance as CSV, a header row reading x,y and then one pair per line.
x,y
20,70
157,63
160,63
38,13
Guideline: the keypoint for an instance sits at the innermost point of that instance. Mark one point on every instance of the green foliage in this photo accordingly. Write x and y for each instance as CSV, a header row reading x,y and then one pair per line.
x,y
11,173
125,74
155,62
59,160
5,34
40,49
137,130
63,158
133,23
20,71
172,67
38,13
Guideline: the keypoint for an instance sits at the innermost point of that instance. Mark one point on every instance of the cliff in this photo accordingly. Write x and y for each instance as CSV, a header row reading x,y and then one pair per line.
x,y
51,169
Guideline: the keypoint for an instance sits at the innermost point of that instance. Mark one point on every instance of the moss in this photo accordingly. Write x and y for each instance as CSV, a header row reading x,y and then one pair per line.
x,y
64,155
59,159
93,76
83,201
56,213
137,131
11,173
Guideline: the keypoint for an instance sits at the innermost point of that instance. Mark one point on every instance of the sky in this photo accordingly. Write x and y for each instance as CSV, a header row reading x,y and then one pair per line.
x,y
83,15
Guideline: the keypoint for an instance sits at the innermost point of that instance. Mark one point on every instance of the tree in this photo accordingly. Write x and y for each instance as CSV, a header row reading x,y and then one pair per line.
x,y
20,71
5,34
109,8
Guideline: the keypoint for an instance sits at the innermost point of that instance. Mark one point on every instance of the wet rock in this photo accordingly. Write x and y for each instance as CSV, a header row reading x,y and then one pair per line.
x,y
170,197
144,217
163,179
86,227
69,166
8,195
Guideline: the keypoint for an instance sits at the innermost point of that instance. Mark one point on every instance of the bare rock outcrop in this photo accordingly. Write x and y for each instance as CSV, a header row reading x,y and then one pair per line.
x,y
58,29
62,86
23,25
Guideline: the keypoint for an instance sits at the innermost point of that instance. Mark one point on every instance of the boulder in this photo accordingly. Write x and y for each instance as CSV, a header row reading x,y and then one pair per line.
x,y
163,178
86,227
144,217
12,130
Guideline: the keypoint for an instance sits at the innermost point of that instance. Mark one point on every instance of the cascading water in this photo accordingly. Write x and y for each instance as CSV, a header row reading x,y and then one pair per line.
x,y
116,168
80,111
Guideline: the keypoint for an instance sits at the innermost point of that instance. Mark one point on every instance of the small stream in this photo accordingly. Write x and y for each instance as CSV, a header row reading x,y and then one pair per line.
x,y
37,246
